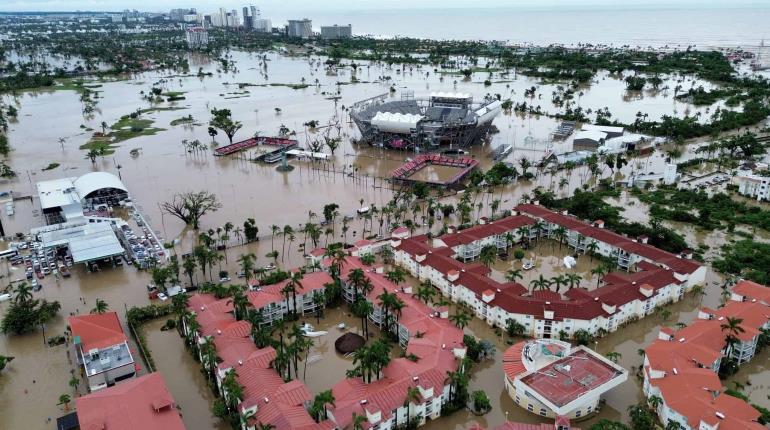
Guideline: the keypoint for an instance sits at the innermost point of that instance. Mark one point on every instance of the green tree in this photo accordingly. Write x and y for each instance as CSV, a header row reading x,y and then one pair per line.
x,y
64,400
488,255
514,328
605,424
460,319
100,307
190,207
4,360
641,417
481,401
412,395
222,119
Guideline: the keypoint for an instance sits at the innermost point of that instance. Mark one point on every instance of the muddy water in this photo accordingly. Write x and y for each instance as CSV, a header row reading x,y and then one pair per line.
x,y
161,168
435,173
548,258
183,377
325,366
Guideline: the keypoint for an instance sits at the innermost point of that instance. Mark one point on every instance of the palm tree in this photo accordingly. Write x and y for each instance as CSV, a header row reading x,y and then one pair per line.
x,y
560,233
732,327
247,265
74,382
287,231
523,232
514,274
387,303
559,280
654,401
412,395
396,275
599,272
319,403
425,293
358,421
65,400
488,255
23,293
540,283
189,265
274,230
573,279
460,319
240,303
591,248
362,309
209,361
100,307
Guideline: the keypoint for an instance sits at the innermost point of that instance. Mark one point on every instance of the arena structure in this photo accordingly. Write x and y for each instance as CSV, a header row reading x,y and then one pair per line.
x,y
434,169
442,119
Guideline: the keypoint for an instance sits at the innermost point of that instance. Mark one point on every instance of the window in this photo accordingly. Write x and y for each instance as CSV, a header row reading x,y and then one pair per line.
x,y
542,411
530,407
578,413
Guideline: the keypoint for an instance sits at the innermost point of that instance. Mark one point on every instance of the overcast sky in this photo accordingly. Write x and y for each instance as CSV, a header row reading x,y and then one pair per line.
x,y
281,8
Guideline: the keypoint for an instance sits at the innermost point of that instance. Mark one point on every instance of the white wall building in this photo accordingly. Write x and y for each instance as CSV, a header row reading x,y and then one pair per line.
x,y
754,186
301,28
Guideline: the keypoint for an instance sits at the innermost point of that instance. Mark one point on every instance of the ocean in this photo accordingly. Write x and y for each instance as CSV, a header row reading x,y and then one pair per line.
x,y
746,26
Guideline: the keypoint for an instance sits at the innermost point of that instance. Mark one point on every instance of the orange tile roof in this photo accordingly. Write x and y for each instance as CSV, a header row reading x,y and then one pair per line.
x,y
752,291
693,391
141,403
97,331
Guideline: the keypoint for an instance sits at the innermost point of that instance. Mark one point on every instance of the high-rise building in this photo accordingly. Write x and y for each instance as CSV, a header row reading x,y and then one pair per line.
x,y
248,20
233,20
255,12
179,14
197,37
263,25
302,28
336,31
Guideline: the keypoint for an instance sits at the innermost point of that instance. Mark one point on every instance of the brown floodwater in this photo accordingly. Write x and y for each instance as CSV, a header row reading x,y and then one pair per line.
x,y
183,377
435,173
156,167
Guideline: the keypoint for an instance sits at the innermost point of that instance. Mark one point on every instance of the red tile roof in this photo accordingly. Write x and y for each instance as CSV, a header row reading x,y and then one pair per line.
x,y
482,231
676,263
619,289
97,331
141,403
435,349
280,404
752,291
691,390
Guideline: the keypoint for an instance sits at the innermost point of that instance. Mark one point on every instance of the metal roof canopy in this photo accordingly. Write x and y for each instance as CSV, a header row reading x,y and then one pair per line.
x,y
92,241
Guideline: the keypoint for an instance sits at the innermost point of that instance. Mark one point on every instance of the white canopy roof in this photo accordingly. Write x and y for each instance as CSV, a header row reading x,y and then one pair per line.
x,y
450,95
604,128
93,181
396,122
591,135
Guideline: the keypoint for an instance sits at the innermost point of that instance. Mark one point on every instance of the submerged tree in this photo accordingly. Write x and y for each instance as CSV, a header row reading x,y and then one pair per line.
x,y
191,206
222,119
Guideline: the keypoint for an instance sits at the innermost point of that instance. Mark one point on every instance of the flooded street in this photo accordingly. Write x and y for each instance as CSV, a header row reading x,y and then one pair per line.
x,y
51,128
183,377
